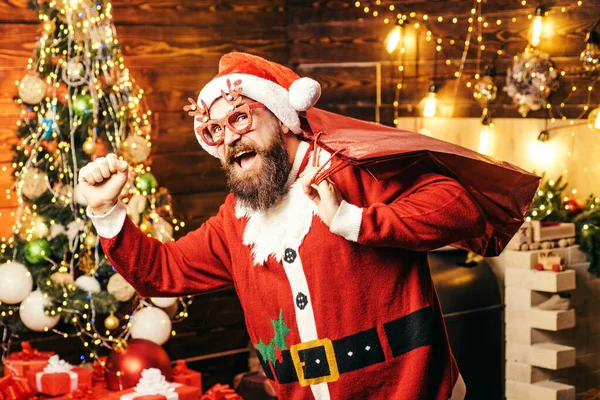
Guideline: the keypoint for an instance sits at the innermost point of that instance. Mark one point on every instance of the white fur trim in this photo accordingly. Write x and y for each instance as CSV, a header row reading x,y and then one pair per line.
x,y
283,225
346,221
460,389
304,93
110,224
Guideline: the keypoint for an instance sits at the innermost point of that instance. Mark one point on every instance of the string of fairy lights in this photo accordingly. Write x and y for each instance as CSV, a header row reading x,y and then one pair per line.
x,y
477,22
77,67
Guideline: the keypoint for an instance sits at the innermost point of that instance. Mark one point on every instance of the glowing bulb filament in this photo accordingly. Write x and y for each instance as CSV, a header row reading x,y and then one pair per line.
x,y
597,122
484,139
536,30
430,105
392,39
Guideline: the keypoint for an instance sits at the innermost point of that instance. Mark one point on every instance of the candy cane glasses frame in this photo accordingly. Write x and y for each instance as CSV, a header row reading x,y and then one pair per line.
x,y
238,120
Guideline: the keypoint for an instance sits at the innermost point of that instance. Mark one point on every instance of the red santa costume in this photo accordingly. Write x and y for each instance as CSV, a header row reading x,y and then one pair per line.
x,y
347,311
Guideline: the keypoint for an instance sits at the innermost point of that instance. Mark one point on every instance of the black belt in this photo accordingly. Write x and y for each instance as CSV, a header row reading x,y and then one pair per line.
x,y
323,360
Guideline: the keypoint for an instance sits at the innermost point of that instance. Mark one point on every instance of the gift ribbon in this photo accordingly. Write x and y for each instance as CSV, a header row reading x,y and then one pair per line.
x,y
220,391
72,376
29,353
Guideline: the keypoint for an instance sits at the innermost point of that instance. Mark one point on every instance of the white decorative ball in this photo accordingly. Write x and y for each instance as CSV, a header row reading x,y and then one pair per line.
x,y
33,315
119,288
15,283
88,284
304,93
39,227
151,323
33,182
32,89
78,196
164,302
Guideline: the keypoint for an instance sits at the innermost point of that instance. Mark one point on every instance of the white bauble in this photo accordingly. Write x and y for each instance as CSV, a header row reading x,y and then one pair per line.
x,y
119,288
33,315
39,227
15,282
88,284
164,302
79,198
151,323
32,89
33,182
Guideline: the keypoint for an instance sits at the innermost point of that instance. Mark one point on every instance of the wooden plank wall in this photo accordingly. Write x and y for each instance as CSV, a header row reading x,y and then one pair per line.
x,y
171,48
338,44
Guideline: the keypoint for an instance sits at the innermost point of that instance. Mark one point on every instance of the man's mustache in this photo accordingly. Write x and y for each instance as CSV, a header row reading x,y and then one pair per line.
x,y
237,147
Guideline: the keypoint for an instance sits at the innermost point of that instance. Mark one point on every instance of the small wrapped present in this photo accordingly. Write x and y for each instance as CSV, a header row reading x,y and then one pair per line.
x,y
28,359
59,377
15,388
182,374
220,392
154,386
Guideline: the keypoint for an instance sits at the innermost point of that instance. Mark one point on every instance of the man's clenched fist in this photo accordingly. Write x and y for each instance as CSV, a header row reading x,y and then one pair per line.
x,y
102,181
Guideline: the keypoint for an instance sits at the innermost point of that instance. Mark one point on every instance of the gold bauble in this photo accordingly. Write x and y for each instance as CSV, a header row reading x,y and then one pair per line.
x,y
135,148
89,146
146,227
33,182
62,278
91,240
48,27
111,322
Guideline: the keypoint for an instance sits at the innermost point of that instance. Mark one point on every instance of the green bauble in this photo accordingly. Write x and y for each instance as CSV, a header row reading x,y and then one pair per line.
x,y
146,182
82,104
37,250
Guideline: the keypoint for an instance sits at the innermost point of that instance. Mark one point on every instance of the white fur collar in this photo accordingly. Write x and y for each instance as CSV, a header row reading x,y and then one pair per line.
x,y
283,225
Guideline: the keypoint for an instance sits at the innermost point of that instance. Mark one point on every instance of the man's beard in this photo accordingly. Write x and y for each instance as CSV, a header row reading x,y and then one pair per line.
x,y
264,184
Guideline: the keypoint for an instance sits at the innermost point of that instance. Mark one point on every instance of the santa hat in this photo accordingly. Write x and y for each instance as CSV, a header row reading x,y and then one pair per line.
x,y
279,88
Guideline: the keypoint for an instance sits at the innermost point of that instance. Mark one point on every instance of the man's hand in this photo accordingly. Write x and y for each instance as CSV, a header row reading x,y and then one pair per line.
x,y
102,181
326,196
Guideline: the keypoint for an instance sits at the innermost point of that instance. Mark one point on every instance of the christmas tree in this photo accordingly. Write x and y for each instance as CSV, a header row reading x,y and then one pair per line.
x,y
78,103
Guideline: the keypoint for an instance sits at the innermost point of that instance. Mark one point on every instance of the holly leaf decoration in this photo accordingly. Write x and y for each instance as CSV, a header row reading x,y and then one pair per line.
x,y
281,330
267,351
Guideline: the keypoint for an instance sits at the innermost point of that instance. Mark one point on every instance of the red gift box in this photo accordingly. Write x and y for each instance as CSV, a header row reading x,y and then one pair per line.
x,y
59,383
221,392
26,360
181,392
153,386
182,374
15,388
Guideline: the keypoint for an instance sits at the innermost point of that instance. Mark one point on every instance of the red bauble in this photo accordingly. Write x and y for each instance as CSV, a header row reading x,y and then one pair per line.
x,y
575,205
124,367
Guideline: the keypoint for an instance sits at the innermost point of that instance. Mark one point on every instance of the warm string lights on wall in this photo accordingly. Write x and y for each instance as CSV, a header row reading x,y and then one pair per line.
x,y
391,14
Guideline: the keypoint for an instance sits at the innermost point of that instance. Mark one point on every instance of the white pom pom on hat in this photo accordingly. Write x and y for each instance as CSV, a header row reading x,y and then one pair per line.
x,y
279,88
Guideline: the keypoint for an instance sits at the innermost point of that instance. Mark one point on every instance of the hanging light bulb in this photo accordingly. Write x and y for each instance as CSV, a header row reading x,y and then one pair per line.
x,y
536,27
485,90
484,134
594,119
392,39
429,103
590,56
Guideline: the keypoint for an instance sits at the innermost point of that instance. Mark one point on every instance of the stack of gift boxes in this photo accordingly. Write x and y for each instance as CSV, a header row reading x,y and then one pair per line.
x,y
32,374
538,280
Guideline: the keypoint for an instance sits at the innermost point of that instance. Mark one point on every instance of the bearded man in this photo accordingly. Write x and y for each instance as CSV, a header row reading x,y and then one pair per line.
x,y
330,264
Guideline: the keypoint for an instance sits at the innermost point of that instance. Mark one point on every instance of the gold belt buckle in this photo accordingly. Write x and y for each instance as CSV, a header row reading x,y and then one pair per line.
x,y
331,361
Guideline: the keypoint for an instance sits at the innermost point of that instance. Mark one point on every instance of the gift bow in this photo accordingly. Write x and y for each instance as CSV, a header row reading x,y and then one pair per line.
x,y
180,368
13,388
28,353
153,382
56,365
221,392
